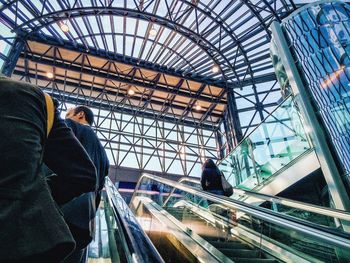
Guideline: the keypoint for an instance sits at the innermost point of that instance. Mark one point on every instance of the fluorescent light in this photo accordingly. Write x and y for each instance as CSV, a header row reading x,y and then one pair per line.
x,y
131,92
215,69
64,27
153,31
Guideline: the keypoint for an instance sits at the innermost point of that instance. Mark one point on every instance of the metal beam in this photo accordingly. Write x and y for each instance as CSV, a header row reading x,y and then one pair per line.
x,y
143,83
105,105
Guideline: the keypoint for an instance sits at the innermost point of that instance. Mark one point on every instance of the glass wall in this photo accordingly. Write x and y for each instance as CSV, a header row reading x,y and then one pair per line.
x,y
319,37
152,145
6,40
273,145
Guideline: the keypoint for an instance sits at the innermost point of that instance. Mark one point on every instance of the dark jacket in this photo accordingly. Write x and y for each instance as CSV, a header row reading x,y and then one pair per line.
x,y
211,178
81,211
29,219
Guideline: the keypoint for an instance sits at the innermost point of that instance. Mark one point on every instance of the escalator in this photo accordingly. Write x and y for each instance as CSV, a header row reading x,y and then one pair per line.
x,y
231,230
184,224
232,247
119,237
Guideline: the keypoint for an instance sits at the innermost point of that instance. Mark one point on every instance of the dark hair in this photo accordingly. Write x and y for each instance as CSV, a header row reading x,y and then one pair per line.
x,y
89,115
209,163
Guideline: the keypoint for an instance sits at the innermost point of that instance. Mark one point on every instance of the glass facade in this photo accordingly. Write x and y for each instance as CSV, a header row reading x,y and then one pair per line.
x,y
272,146
6,41
152,145
319,37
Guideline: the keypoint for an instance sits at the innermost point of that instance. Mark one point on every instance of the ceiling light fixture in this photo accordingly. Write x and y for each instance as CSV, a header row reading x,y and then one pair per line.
x,y
153,31
131,92
215,69
64,27
49,75
198,107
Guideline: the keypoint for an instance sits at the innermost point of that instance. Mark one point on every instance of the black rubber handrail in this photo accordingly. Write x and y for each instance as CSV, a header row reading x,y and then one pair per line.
x,y
138,245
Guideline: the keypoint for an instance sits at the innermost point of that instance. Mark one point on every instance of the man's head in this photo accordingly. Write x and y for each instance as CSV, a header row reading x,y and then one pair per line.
x,y
81,114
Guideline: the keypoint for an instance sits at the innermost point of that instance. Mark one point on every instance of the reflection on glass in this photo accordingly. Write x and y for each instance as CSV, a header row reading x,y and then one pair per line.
x,y
274,144
232,228
319,37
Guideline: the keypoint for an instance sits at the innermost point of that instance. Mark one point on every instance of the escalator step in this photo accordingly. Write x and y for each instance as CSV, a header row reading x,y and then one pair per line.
x,y
211,238
253,260
241,253
229,245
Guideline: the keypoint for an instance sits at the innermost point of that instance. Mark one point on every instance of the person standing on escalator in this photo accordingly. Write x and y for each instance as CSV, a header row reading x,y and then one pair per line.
x,y
80,213
211,178
32,228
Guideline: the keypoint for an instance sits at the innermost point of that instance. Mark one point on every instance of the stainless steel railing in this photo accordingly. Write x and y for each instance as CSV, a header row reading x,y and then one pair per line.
x,y
136,244
336,213
309,229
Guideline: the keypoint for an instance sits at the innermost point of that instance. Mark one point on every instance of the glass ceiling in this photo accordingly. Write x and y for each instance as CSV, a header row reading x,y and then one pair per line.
x,y
184,36
166,52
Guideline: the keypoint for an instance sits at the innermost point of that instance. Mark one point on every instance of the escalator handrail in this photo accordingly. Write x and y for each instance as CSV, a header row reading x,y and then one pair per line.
x,y
137,240
322,233
326,211
182,179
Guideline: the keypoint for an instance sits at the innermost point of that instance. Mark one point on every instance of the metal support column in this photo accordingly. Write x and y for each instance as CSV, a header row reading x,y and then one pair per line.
x,y
218,136
235,126
327,163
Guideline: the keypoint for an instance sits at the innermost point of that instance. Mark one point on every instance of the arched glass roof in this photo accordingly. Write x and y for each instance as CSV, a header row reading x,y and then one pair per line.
x,y
183,36
160,74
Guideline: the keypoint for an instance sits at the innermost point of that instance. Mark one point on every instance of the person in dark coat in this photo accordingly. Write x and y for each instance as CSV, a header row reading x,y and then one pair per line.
x,y
211,178
32,227
80,212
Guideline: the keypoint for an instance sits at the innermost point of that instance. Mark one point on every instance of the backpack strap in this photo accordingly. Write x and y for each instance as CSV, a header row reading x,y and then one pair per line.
x,y
50,112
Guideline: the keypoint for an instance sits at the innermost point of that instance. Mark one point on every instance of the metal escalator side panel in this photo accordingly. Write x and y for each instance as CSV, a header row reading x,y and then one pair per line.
x,y
136,244
289,230
188,243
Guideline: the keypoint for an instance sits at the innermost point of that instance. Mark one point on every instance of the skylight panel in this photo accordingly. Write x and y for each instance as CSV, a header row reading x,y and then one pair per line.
x,y
82,26
118,24
257,72
138,44
25,11
71,29
128,45
162,9
59,31
109,39
141,30
37,4
162,56
93,23
89,41
165,34
131,22
119,41
250,23
12,16
106,24
184,45
205,23
190,20
5,31
214,34
55,5
156,49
